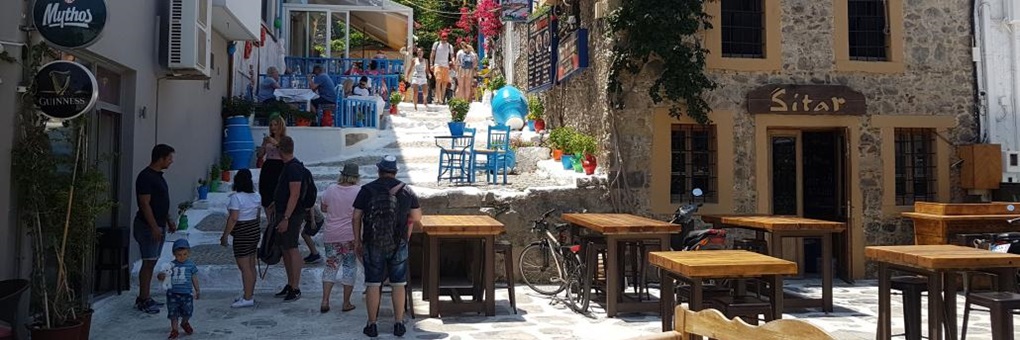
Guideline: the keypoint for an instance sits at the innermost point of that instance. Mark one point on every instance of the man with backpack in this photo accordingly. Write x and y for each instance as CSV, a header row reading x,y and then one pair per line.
x,y
295,194
384,212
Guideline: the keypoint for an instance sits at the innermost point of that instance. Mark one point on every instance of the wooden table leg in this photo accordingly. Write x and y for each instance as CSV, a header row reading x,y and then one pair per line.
x,y
949,281
612,275
433,288
490,278
884,289
827,273
777,300
666,303
935,306
425,266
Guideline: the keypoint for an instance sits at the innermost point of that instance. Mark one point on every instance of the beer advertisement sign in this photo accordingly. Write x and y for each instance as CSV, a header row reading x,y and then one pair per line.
x,y
70,23
572,54
65,89
541,50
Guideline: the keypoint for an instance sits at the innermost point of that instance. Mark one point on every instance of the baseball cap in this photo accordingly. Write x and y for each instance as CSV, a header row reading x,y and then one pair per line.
x,y
181,244
388,163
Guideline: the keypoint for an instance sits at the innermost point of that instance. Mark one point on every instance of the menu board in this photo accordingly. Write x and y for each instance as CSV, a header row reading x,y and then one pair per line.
x,y
541,46
572,54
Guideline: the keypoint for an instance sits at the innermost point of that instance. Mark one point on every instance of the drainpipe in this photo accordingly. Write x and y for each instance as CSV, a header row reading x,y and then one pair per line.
x,y
1015,67
982,19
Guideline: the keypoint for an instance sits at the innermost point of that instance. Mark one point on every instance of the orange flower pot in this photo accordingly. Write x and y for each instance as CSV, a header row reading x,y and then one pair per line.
x,y
303,122
225,176
557,154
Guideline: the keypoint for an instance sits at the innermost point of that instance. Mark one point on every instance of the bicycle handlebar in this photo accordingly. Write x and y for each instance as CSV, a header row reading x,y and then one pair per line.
x,y
547,213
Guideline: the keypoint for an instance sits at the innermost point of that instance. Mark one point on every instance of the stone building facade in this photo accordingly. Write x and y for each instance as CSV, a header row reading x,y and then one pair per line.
x,y
918,106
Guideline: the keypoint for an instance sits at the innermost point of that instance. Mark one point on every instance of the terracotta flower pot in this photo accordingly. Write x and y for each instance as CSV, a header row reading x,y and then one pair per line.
x,y
225,176
303,122
71,332
557,154
393,109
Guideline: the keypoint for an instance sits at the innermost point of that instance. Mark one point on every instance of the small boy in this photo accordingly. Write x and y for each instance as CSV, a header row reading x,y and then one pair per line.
x,y
179,303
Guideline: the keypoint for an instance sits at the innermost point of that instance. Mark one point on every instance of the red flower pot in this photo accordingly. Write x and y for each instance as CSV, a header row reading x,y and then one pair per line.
x,y
589,164
225,176
303,122
327,117
539,125
393,109
557,154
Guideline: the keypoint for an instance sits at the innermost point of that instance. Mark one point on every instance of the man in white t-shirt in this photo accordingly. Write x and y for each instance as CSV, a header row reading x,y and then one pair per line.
x,y
442,53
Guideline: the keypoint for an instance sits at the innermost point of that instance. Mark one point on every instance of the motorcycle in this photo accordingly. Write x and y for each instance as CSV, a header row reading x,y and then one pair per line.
x,y
1006,242
690,239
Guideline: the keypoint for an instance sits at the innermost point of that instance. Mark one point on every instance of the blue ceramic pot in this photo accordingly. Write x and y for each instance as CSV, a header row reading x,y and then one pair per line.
x,y
568,162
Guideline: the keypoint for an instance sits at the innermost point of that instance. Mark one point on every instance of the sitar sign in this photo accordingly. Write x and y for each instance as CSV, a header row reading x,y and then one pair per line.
x,y
806,99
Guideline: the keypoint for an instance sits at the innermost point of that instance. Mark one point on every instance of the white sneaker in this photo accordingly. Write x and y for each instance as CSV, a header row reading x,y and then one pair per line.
x,y
241,303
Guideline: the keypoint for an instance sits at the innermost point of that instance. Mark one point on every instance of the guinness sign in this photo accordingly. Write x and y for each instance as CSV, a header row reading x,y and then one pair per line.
x,y
65,89
70,23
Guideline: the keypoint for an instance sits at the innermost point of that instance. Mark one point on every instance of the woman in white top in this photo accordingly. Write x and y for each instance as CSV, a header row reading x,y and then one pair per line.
x,y
418,74
338,235
245,209
467,62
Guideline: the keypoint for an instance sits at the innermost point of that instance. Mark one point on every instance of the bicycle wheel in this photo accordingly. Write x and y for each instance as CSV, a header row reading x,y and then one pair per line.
x,y
541,269
577,297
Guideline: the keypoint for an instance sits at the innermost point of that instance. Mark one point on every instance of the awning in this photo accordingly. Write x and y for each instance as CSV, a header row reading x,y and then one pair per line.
x,y
385,21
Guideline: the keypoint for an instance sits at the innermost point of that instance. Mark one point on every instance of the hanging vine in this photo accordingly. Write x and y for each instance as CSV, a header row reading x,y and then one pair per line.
x,y
665,31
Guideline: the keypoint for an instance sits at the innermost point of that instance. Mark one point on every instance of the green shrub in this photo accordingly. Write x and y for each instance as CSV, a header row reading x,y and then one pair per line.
x,y
459,109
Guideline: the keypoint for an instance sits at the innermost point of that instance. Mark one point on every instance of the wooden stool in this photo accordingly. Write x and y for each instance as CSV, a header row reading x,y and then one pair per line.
x,y
595,247
1000,305
745,307
506,249
760,247
912,287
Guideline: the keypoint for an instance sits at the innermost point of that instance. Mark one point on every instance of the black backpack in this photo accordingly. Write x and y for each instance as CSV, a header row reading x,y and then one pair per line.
x,y
382,219
268,252
309,193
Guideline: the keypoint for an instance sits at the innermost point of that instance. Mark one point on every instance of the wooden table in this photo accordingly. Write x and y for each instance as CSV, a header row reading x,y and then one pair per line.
x,y
480,227
695,266
937,223
616,228
780,227
938,263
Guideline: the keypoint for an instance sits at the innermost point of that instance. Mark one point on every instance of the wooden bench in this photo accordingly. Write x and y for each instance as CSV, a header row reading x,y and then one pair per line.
x,y
712,324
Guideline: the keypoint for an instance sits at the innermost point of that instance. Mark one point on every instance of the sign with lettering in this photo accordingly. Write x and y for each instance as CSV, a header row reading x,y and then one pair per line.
x,y
806,99
515,10
65,89
572,54
70,23
541,49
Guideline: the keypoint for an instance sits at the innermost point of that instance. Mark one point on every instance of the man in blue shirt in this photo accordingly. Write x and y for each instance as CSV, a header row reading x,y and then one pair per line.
x,y
323,85
268,85
180,304
152,221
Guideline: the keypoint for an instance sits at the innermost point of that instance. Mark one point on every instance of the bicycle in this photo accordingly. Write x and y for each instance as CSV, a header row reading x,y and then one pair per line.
x,y
547,262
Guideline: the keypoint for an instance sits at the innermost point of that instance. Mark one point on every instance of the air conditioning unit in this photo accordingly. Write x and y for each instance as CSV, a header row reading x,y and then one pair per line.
x,y
1012,8
185,38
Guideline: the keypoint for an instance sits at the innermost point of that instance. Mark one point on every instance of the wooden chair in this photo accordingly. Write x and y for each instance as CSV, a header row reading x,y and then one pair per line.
x,y
712,324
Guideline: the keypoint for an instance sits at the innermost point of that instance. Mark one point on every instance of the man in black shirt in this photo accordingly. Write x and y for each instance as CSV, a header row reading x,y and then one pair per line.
x,y
377,263
289,217
152,221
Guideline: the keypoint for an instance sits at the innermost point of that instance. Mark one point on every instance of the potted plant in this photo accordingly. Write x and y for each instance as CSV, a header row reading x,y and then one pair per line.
x,y
225,164
214,177
567,147
238,106
203,189
395,98
458,112
302,117
359,120
182,210
535,111
558,139
59,198
497,83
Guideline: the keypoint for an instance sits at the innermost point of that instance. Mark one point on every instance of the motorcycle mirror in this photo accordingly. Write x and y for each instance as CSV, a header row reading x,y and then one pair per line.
x,y
697,192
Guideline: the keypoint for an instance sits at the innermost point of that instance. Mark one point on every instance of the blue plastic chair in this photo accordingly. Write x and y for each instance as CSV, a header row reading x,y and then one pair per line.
x,y
455,157
497,149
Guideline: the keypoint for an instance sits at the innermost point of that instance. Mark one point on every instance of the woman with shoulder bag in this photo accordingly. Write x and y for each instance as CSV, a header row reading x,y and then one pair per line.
x,y
243,224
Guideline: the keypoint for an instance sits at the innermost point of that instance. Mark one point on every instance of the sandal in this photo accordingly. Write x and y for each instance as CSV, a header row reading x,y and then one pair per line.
x,y
324,309
348,308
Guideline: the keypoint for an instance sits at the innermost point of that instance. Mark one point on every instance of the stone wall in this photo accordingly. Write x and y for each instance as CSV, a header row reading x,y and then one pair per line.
x,y
937,81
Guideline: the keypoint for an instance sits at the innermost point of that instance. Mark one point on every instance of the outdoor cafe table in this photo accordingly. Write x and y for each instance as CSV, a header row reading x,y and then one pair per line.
x,y
481,227
937,262
296,96
616,228
696,266
780,227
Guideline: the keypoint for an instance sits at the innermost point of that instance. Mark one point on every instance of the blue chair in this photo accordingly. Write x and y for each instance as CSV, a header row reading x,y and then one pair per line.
x,y
455,157
496,152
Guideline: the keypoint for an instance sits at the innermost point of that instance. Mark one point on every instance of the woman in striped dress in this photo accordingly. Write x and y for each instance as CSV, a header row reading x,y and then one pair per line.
x,y
243,224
